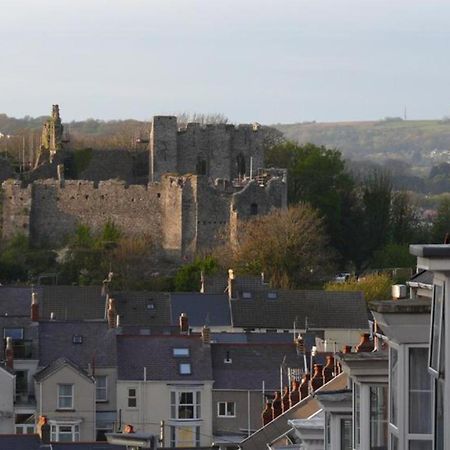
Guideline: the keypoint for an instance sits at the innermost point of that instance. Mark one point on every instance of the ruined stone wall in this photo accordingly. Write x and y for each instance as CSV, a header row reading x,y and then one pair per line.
x,y
16,209
218,151
57,209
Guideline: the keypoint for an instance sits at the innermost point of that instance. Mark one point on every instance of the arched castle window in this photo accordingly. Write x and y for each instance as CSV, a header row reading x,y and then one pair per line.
x,y
201,166
240,161
253,209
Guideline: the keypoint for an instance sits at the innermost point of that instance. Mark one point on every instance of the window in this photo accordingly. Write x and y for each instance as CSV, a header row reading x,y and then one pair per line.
x,y
246,295
24,428
378,417
184,436
272,295
393,386
101,388
439,415
185,368
132,398
185,405
346,434
65,432
356,415
15,333
76,339
180,352
226,409
253,209
419,392
437,350
65,396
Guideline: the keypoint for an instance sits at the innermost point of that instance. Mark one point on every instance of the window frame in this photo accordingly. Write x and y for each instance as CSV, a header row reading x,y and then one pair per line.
x,y
175,404
436,371
101,388
174,437
132,397
71,396
226,415
22,331
185,368
55,431
181,352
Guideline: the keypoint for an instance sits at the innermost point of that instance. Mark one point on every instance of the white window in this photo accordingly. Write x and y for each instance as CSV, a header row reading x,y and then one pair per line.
x,y
132,398
24,428
378,417
437,351
180,352
226,409
185,368
101,388
356,415
185,405
65,396
65,432
185,436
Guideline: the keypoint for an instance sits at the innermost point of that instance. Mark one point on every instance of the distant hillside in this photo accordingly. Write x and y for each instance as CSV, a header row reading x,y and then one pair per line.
x,y
419,143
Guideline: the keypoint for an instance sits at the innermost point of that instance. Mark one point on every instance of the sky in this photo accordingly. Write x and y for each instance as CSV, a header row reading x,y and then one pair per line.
x,y
270,61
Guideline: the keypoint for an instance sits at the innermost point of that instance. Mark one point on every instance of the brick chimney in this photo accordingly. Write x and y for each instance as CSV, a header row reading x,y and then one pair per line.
x,y
184,323
112,313
9,353
231,284
34,307
206,335
277,407
267,414
364,345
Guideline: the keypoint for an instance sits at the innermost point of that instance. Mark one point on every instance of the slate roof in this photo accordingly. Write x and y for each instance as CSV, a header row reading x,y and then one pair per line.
x,y
15,301
321,309
72,302
20,442
143,308
98,343
247,338
56,365
201,309
251,364
422,277
155,353
218,284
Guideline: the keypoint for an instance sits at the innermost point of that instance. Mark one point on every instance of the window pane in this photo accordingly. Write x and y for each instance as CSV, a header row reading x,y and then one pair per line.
x,y
230,408
181,352
357,415
15,333
393,385
439,415
394,442
438,295
420,445
65,389
346,434
221,409
419,391
378,417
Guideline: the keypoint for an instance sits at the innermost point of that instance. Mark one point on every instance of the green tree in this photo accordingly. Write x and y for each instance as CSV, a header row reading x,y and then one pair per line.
x,y
188,276
441,224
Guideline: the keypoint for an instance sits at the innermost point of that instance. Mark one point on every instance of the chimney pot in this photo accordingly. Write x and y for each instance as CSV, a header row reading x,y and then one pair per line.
x,y
304,387
285,399
34,307
184,323
231,284
295,394
267,415
112,313
317,379
277,407
9,353
206,335
328,370
365,345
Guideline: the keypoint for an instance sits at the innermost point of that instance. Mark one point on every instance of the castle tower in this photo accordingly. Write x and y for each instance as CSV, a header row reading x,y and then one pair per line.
x,y
163,146
51,138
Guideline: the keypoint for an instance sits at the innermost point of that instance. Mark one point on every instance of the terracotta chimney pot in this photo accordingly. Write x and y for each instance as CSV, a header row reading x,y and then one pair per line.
x,y
295,394
317,379
206,335
304,387
365,344
9,353
184,323
285,399
276,405
328,370
267,414
111,315
231,284
34,307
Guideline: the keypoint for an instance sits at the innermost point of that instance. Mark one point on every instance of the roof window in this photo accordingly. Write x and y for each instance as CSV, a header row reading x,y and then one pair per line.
x,y
272,295
77,339
185,368
151,306
246,295
180,352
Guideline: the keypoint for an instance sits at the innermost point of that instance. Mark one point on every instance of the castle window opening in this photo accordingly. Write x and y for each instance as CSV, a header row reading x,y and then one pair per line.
x,y
240,161
86,196
158,195
201,166
253,209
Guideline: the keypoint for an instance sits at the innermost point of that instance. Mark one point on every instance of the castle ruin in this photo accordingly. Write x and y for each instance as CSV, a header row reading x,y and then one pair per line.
x,y
201,180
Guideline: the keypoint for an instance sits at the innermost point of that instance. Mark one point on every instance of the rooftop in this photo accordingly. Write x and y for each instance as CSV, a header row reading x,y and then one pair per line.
x,y
430,250
402,306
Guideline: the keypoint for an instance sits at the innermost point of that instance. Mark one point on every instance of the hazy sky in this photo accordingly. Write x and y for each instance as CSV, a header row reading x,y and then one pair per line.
x,y
266,61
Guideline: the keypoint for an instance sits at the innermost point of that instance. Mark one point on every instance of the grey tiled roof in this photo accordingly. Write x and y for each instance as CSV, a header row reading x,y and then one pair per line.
x,y
218,284
143,308
19,442
321,309
423,277
86,446
249,338
252,364
201,309
72,302
155,353
15,301
98,343
56,365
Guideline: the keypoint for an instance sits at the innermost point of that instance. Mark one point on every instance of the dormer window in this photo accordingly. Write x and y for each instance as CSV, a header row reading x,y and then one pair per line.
x,y
77,339
181,352
246,295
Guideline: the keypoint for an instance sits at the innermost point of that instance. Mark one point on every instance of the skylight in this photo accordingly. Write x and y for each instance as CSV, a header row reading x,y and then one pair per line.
x,y
180,352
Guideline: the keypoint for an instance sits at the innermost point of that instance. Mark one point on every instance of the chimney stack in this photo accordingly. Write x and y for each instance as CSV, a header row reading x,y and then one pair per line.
x,y
267,414
184,324
34,307
328,370
277,407
285,399
231,284
206,335
295,394
43,429
112,313
365,345
317,379
9,353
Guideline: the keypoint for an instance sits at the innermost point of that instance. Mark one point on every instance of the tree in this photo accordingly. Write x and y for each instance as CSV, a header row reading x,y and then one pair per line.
x,y
441,224
188,276
289,246
404,218
318,175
